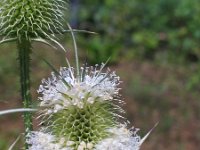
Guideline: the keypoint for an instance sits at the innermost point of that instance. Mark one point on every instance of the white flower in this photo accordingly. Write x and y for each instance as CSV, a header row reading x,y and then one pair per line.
x,y
65,89
83,146
121,139
89,146
44,141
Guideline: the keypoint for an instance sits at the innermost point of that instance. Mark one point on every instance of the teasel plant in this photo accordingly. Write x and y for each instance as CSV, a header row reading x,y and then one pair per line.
x,y
25,21
81,109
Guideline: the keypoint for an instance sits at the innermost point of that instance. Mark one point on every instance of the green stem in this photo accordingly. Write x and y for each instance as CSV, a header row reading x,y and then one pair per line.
x,y
24,48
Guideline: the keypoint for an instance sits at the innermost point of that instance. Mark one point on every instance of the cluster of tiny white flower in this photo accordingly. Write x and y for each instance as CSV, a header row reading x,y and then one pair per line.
x,y
44,141
65,89
121,139
83,146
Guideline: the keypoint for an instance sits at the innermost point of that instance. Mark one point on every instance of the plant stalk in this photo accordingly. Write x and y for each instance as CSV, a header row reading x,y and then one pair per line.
x,y
24,49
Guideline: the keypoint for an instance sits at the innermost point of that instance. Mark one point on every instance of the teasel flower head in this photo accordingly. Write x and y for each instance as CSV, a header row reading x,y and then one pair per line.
x,y
80,108
31,19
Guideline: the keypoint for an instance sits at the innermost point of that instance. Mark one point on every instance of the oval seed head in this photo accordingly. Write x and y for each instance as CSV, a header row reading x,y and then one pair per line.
x,y
31,18
80,109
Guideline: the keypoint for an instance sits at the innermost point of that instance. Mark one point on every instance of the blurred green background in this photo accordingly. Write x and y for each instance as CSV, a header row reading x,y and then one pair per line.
x,y
154,46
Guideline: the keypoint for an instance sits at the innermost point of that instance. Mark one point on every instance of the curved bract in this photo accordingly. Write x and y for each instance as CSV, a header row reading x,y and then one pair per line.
x,y
31,18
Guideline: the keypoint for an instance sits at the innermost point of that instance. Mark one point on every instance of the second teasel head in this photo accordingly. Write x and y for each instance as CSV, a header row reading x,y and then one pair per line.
x,y
31,19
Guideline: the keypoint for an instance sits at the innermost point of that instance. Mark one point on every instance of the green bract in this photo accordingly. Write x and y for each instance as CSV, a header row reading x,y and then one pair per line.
x,y
31,18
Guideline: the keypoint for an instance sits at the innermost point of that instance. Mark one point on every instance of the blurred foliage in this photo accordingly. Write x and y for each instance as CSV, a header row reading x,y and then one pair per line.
x,y
100,50
161,31
8,71
150,27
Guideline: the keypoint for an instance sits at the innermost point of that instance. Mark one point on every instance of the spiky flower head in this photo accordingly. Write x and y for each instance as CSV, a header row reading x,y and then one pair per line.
x,y
31,18
80,108
82,112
